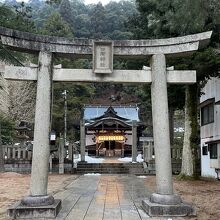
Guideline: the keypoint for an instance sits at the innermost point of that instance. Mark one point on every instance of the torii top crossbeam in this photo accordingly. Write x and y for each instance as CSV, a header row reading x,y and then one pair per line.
x,y
33,43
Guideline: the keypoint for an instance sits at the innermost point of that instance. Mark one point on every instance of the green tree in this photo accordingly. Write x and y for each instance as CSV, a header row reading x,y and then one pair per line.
x,y
56,26
157,19
23,17
41,11
117,14
18,18
66,13
78,94
6,137
98,21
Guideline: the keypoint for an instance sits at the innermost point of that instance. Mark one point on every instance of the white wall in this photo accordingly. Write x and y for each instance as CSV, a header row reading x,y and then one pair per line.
x,y
211,90
206,170
210,132
89,140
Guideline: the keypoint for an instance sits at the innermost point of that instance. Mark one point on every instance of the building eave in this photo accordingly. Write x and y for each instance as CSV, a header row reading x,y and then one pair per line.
x,y
206,102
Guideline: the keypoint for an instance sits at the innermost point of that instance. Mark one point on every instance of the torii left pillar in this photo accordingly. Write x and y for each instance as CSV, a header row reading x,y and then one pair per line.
x,y
39,204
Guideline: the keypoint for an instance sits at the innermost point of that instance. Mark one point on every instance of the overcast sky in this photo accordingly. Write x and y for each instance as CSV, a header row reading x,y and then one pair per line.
x,y
104,2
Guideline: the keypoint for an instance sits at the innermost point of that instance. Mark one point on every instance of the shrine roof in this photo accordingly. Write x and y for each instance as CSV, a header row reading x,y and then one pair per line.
x,y
130,113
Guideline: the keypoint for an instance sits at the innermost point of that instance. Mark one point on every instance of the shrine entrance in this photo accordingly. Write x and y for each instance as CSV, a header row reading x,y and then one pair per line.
x,y
162,203
109,134
110,144
110,148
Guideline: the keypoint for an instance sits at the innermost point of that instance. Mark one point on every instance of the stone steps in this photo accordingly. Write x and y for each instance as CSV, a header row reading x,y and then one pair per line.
x,y
110,168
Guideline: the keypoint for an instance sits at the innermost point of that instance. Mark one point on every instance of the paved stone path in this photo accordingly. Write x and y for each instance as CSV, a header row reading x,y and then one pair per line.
x,y
104,197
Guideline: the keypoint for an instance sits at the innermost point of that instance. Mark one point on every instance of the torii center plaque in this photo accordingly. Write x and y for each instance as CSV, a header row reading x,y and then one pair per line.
x,y
103,57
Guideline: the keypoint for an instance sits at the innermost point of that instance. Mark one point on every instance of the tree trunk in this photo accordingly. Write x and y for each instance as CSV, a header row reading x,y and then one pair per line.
x,y
2,169
187,155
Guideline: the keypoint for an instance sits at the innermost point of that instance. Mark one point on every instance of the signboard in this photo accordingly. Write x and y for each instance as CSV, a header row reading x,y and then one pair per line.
x,y
103,57
111,138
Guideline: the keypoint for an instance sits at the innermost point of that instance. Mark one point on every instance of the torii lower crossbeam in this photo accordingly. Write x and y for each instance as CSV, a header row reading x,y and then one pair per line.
x,y
86,75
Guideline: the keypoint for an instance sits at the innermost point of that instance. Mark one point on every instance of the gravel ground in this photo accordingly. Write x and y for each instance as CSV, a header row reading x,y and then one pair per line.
x,y
204,194
14,186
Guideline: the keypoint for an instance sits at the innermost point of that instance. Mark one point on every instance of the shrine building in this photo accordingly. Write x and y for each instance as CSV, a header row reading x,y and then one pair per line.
x,y
109,129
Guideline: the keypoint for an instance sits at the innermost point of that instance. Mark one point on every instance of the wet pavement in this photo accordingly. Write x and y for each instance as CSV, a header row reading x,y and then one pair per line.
x,y
104,197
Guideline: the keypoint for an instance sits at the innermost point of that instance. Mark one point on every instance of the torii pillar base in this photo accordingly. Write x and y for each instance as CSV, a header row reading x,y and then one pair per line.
x,y
31,211
167,205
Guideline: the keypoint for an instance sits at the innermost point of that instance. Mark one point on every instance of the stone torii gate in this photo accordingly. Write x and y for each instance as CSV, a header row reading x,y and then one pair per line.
x,y
164,201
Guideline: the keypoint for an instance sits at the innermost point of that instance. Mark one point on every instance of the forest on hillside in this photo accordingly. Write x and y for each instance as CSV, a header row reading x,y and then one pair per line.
x,y
71,19
74,19
140,19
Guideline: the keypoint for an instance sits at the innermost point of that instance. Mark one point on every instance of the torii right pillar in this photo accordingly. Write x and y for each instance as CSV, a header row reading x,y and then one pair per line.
x,y
164,202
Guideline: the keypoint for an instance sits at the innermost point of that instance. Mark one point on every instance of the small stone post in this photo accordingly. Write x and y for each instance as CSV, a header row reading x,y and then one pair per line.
x,y
145,151
70,152
82,140
122,151
29,155
150,150
134,141
24,153
61,156
19,152
13,152
8,152
51,163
